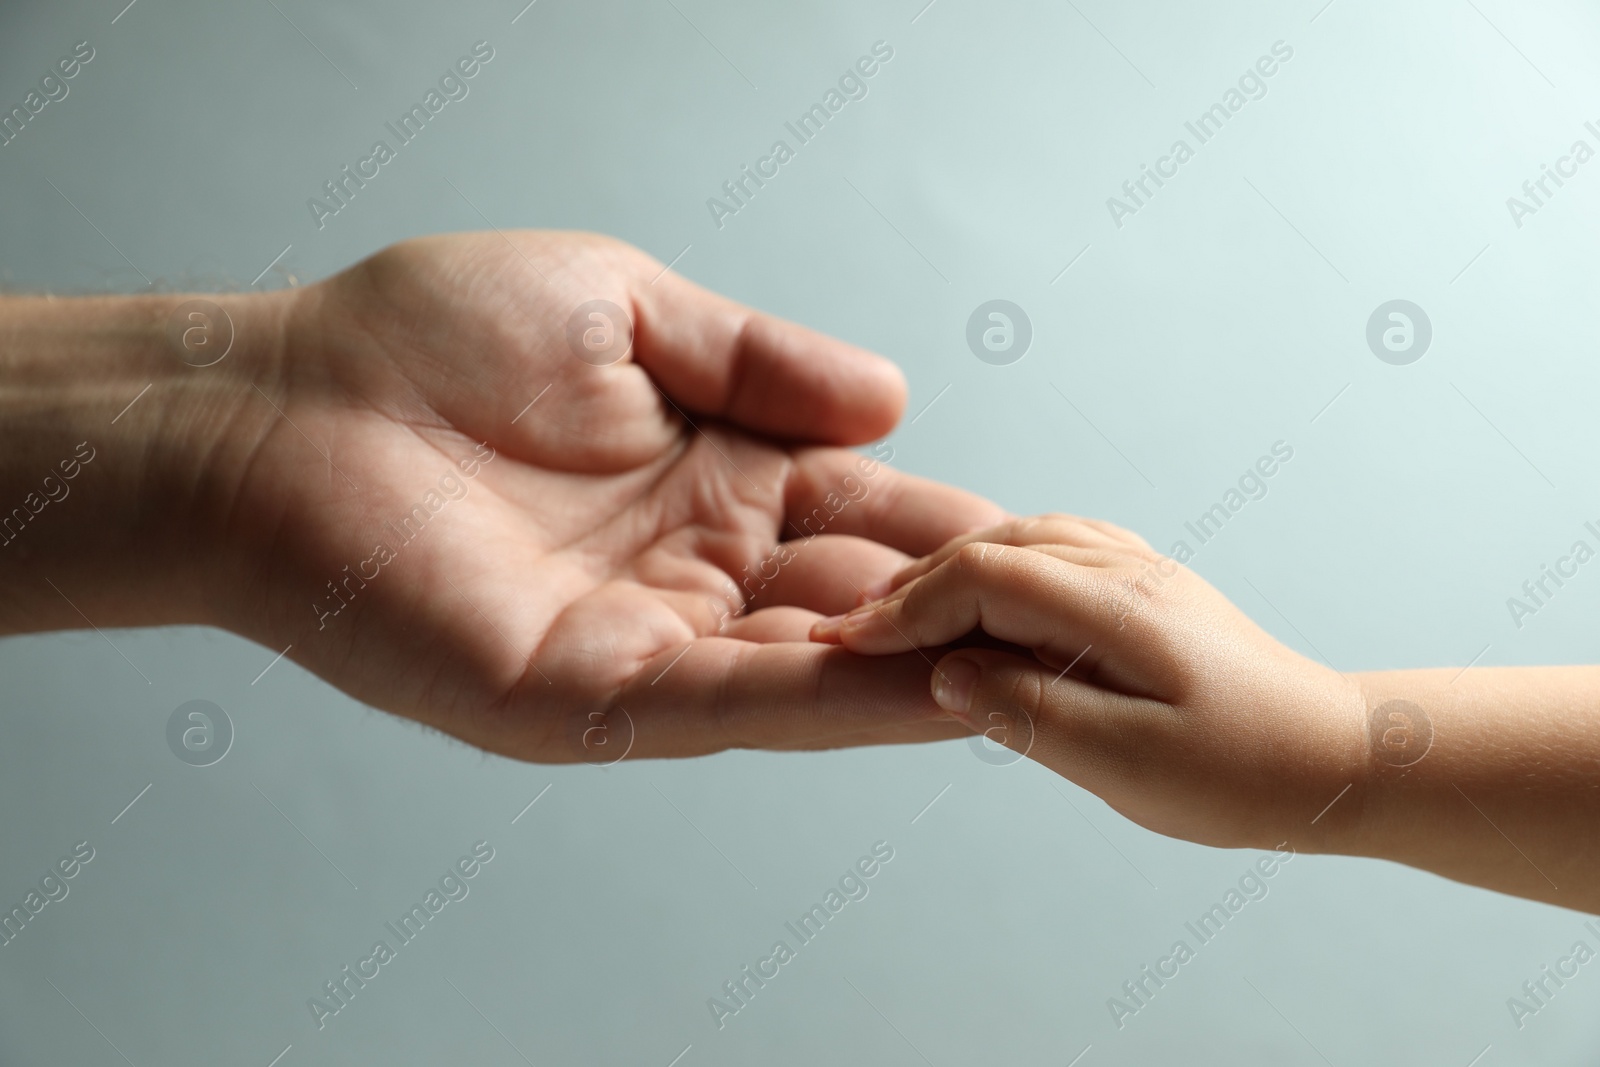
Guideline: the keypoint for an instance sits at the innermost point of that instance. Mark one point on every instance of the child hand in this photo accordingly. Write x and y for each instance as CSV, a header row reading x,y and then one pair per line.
x,y
1145,685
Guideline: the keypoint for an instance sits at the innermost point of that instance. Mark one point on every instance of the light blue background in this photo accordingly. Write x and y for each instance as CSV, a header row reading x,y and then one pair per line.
x,y
1218,320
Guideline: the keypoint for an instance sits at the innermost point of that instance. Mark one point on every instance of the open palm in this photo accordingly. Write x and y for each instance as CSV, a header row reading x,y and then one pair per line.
x,y
564,546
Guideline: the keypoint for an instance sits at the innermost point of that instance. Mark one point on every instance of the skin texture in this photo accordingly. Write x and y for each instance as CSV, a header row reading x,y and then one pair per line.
x,y
1128,674
581,586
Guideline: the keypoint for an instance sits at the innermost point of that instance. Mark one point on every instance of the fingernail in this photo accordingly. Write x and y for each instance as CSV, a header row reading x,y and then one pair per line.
x,y
826,629
952,685
858,618
875,591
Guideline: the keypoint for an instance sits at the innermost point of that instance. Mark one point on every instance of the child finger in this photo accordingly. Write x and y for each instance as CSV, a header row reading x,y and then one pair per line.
x,y
1098,558
1040,529
1098,738
1021,596
984,585
1127,537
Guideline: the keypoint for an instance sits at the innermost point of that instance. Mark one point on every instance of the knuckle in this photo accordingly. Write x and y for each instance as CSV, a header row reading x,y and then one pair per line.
x,y
1122,533
1040,529
972,558
1025,694
1124,596
925,599
1024,531
1144,574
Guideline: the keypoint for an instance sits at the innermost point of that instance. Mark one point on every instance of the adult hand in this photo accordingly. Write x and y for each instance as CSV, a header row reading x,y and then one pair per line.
x,y
623,566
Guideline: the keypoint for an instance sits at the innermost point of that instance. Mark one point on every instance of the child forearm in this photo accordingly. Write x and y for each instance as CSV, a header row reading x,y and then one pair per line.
x,y
1489,776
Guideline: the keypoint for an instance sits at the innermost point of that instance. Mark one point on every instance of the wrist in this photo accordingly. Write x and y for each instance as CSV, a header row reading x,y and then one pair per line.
x,y
1334,815
123,431
1384,806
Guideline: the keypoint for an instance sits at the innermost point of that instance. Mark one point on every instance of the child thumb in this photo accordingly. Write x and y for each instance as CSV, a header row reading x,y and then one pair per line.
x,y
999,695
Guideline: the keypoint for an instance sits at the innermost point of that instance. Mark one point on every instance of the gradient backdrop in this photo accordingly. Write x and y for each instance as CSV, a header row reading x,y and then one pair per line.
x,y
1227,312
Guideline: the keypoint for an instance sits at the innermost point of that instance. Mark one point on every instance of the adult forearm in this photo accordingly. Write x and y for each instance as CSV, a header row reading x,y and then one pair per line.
x,y
112,452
